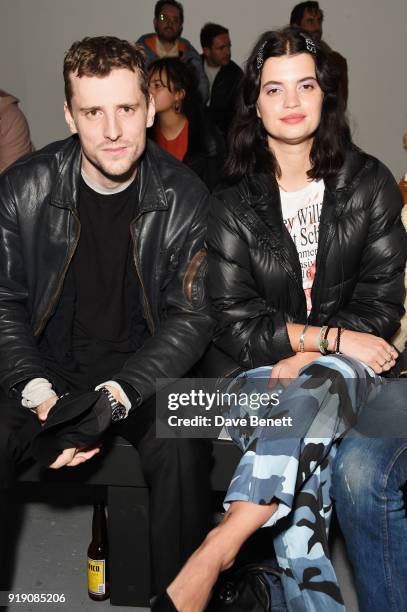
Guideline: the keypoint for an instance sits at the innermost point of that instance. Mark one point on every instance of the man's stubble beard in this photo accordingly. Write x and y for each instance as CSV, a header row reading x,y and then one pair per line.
x,y
119,177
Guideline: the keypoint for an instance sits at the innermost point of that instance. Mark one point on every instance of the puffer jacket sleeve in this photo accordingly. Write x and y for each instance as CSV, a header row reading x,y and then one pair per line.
x,y
248,330
377,301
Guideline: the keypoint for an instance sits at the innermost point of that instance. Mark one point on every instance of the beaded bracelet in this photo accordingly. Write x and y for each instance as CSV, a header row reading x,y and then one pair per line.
x,y
322,341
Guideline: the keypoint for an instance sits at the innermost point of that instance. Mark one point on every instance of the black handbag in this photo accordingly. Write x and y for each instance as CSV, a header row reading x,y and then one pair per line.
x,y
246,589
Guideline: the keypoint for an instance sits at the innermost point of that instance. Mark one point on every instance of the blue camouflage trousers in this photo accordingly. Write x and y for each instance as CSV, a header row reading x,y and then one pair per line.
x,y
291,465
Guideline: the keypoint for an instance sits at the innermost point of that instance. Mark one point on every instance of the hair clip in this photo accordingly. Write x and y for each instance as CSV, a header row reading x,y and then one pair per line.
x,y
310,44
260,56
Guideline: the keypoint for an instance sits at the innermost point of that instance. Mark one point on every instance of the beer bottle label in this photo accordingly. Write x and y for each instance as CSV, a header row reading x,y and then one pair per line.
x,y
96,576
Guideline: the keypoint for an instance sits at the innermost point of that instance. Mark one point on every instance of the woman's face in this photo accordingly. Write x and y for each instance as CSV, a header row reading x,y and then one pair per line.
x,y
290,99
158,87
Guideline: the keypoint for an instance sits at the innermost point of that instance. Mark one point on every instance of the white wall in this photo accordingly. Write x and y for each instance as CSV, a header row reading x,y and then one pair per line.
x,y
34,34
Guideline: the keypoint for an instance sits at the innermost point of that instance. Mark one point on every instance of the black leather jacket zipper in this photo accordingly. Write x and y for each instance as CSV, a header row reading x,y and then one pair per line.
x,y
147,308
56,294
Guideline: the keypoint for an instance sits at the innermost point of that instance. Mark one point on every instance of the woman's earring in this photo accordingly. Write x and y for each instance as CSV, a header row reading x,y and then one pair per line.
x,y
177,107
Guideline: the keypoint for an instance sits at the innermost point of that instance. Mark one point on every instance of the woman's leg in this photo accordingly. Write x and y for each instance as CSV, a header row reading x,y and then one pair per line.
x,y
270,481
300,544
191,588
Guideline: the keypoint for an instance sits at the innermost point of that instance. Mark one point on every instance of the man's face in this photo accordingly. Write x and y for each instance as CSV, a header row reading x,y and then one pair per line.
x,y
110,114
220,52
168,25
311,22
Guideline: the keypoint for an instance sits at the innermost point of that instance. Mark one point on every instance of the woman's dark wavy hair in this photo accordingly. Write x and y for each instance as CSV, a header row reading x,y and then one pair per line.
x,y
248,149
176,75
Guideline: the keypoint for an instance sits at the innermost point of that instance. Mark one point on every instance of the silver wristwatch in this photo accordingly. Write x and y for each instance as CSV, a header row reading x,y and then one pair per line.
x,y
119,411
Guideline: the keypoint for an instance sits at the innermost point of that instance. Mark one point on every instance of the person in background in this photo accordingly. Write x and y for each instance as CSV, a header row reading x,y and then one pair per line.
x,y
223,74
403,180
167,41
15,138
369,486
309,17
98,234
181,125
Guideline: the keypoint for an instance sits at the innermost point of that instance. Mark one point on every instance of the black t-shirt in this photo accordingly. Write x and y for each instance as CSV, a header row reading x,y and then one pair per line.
x,y
98,322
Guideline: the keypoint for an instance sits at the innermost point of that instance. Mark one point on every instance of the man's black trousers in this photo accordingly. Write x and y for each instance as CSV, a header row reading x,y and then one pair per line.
x,y
176,471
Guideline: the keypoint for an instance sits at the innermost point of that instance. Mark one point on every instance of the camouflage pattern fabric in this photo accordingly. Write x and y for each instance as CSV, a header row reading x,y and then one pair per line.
x,y
292,466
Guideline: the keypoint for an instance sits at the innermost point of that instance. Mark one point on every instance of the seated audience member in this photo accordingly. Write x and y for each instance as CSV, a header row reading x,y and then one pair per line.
x,y
309,17
321,316
167,42
14,131
98,233
223,74
181,125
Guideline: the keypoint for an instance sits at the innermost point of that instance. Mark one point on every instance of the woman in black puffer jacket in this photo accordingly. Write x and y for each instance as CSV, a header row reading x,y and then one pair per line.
x,y
256,278
306,267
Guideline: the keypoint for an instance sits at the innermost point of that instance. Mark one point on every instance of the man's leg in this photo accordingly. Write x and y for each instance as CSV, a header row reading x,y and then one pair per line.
x,y
177,472
17,427
369,475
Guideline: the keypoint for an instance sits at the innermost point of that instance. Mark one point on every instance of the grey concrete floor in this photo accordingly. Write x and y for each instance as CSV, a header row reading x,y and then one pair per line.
x,y
51,556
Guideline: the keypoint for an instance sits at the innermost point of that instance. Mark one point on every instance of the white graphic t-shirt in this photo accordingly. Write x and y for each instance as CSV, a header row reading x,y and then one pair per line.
x,y
301,214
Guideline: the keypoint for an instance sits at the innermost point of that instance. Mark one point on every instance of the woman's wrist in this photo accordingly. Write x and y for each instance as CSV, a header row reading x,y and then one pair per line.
x,y
307,338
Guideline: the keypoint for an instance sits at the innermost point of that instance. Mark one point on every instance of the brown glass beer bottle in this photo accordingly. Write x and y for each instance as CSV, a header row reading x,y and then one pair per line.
x,y
98,579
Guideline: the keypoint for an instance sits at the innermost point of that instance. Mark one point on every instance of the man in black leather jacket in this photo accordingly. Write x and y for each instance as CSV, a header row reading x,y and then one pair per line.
x,y
102,283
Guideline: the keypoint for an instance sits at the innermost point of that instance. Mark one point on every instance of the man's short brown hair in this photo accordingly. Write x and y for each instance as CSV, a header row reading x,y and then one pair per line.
x,y
99,55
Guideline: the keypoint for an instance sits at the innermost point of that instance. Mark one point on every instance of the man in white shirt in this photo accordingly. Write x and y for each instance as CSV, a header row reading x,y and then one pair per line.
x,y
223,74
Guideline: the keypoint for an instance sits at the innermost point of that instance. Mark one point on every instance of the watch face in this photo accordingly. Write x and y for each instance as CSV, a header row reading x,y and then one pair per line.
x,y
118,412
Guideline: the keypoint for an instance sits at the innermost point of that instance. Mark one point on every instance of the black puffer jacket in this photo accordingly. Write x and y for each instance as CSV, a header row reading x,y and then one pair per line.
x,y
39,232
254,269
